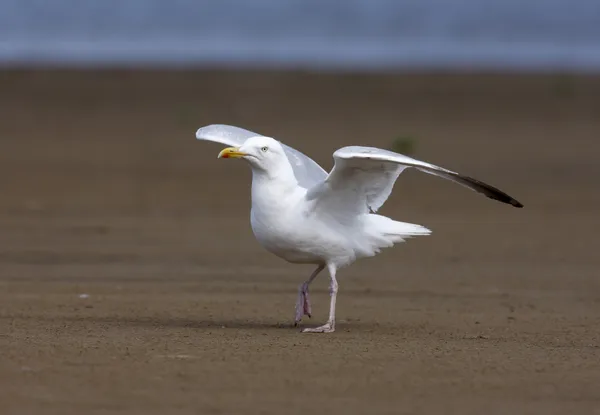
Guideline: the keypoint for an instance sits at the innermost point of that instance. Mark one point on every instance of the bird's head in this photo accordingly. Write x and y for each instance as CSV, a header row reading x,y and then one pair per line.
x,y
262,153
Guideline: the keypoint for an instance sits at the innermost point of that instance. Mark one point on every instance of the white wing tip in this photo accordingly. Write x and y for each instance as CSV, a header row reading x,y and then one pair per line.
x,y
200,132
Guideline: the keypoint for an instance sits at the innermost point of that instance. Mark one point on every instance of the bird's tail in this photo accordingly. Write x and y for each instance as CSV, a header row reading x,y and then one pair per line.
x,y
381,232
397,231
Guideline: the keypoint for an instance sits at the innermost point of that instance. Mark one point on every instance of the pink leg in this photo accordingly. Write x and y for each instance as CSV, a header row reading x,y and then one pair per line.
x,y
303,302
328,327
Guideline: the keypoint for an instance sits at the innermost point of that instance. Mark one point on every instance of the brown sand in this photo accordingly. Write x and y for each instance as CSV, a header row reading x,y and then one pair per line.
x,y
105,192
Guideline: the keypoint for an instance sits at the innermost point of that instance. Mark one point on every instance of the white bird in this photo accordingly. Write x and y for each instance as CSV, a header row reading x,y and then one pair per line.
x,y
306,216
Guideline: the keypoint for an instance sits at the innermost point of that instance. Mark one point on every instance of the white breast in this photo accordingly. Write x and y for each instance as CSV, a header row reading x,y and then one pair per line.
x,y
285,225
285,232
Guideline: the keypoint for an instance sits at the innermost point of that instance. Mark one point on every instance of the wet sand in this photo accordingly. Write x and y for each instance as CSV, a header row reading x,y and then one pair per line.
x,y
131,282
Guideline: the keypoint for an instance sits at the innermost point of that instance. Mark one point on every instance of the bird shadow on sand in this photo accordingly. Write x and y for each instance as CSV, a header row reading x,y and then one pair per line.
x,y
76,322
163,322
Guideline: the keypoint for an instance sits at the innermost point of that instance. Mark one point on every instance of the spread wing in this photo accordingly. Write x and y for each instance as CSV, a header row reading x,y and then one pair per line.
x,y
363,177
307,171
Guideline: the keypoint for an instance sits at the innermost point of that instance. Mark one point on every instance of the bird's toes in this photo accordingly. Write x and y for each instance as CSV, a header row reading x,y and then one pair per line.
x,y
327,328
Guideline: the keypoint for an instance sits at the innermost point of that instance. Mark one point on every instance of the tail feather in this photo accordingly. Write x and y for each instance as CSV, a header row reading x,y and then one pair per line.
x,y
407,230
384,232
390,227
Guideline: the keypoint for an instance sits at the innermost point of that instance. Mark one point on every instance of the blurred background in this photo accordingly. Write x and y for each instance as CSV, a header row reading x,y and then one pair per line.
x,y
107,194
102,98
355,34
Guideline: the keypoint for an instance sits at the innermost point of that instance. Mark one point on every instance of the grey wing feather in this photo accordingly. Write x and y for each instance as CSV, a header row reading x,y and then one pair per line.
x,y
306,170
363,177
371,153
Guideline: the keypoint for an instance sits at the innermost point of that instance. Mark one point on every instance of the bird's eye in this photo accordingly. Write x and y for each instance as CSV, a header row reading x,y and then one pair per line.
x,y
264,149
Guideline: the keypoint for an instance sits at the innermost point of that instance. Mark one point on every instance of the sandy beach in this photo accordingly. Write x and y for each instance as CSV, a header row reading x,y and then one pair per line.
x,y
130,281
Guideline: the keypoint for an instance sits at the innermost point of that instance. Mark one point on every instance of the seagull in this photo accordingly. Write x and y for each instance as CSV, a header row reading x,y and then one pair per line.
x,y
304,215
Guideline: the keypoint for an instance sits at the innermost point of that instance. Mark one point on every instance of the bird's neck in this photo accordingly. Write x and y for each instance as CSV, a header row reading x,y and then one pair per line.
x,y
270,191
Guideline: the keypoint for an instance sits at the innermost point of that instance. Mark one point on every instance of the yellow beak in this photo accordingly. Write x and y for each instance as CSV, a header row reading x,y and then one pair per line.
x,y
231,152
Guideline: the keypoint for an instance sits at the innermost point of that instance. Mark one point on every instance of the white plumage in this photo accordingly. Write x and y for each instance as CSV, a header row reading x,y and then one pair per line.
x,y
304,215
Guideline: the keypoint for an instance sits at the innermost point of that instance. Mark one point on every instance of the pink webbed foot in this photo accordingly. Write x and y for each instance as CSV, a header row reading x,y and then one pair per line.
x,y
326,328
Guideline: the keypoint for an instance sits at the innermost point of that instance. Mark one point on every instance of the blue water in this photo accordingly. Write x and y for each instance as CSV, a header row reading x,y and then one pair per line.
x,y
367,34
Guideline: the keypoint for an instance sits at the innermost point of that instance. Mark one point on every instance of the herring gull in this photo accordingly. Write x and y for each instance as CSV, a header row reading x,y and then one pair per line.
x,y
305,215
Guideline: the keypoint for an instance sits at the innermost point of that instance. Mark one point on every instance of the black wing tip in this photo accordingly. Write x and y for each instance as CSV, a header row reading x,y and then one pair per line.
x,y
516,203
504,198
494,193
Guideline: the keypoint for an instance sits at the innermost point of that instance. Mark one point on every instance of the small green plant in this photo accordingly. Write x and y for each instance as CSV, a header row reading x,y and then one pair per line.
x,y
404,145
